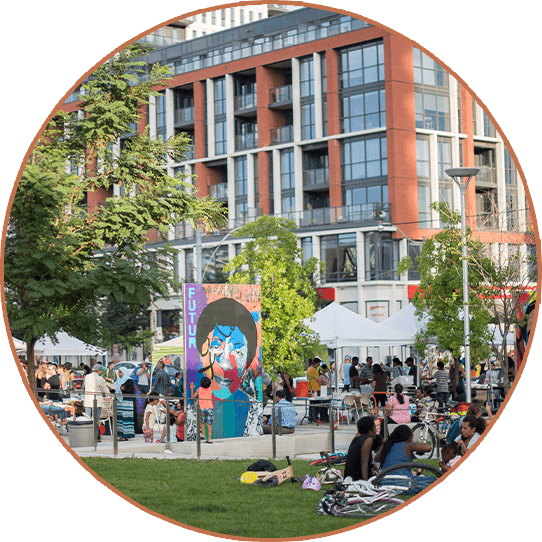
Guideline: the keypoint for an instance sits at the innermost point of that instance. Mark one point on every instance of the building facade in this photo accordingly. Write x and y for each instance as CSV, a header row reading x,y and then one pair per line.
x,y
340,126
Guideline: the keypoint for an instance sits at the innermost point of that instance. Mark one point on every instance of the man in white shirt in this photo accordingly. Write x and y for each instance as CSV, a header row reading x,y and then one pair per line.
x,y
94,386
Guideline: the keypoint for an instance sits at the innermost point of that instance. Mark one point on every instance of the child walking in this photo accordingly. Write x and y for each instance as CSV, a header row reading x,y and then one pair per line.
x,y
205,395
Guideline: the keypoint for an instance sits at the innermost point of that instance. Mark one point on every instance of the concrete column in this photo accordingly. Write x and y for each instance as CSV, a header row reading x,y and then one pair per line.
x,y
298,175
296,98
231,189
250,181
152,117
454,118
433,153
501,186
276,182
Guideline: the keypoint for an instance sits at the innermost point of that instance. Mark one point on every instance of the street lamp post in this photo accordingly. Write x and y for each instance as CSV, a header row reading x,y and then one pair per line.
x,y
200,278
457,174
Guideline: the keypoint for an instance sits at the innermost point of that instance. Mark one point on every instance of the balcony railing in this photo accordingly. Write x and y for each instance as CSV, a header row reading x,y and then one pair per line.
x,y
246,141
329,216
184,115
245,101
316,177
284,134
219,191
280,94
487,175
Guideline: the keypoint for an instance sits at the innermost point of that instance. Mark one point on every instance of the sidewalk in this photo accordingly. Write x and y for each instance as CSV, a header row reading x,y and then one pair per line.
x,y
306,443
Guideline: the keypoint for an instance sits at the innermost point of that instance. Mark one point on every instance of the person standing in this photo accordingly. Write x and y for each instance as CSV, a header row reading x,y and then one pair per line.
x,y
355,379
125,406
313,372
412,370
95,387
109,375
52,382
205,395
345,372
366,372
144,377
162,384
442,377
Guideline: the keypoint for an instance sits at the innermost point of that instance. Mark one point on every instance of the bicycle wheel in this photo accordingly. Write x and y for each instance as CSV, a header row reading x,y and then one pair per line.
x,y
423,434
364,510
401,477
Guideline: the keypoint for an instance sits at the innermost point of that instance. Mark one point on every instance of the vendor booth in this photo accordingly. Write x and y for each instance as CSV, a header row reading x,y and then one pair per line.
x,y
339,327
69,349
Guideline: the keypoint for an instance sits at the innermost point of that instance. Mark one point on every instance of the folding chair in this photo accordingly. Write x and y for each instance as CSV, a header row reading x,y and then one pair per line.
x,y
351,406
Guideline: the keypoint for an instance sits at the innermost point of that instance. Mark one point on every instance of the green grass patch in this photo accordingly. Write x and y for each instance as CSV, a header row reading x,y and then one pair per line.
x,y
207,494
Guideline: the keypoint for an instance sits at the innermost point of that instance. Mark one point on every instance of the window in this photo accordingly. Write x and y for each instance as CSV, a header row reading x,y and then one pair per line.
x,y
287,170
423,160
232,16
414,251
241,16
381,256
161,116
241,177
306,247
204,18
432,111
306,77
428,72
339,253
213,18
489,128
363,111
432,94
308,124
361,65
223,17
364,158
445,162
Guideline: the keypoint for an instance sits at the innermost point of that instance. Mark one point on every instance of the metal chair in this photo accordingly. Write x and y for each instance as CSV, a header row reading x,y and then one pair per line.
x,y
351,406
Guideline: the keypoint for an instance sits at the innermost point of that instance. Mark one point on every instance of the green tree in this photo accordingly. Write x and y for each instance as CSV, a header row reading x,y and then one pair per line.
x,y
61,259
440,293
273,259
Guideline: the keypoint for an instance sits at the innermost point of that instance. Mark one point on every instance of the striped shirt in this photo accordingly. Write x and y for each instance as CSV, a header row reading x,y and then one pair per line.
x,y
442,381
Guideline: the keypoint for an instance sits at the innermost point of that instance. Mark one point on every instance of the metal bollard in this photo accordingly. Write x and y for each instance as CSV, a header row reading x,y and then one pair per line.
x,y
332,427
198,424
273,431
114,429
280,422
168,443
95,421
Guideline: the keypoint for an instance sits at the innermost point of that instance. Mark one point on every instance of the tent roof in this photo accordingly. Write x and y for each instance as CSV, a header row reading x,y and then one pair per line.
x,y
67,346
406,321
338,327
20,346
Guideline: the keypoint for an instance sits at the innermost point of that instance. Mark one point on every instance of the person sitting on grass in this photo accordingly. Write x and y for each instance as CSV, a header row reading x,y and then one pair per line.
x,y
471,429
359,459
400,448
205,395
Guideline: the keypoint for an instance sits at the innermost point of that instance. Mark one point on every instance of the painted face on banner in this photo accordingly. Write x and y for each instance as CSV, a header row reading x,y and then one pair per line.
x,y
227,360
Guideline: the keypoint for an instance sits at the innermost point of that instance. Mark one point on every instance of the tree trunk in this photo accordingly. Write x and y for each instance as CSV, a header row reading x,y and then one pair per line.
x,y
30,356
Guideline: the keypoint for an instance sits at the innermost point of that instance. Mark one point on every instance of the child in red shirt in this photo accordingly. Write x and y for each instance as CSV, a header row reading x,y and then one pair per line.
x,y
205,395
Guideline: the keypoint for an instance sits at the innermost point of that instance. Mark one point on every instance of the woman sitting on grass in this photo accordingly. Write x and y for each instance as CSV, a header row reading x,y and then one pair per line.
x,y
471,429
400,448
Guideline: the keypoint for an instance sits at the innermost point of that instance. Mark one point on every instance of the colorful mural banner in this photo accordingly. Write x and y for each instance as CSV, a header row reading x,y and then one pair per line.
x,y
222,330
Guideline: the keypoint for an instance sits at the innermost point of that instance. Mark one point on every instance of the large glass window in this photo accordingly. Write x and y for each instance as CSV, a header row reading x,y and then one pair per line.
x,y
432,94
339,253
361,65
306,77
161,116
308,125
381,256
364,158
220,96
287,169
363,111
445,162
361,85
241,177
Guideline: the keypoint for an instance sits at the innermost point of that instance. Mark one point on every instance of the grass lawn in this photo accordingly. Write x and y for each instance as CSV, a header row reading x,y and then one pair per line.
x,y
206,494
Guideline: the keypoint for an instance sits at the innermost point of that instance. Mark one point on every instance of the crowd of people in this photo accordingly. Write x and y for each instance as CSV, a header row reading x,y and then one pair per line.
x,y
369,451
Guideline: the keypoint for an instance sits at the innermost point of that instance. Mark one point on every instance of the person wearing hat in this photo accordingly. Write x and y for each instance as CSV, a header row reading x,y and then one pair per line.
x,y
94,386
345,372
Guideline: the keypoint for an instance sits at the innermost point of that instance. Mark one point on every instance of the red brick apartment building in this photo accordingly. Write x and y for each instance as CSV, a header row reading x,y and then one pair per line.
x,y
344,128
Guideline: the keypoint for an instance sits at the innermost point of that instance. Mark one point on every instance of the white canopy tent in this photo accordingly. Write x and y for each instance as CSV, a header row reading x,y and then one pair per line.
x,y
339,327
20,347
406,320
67,345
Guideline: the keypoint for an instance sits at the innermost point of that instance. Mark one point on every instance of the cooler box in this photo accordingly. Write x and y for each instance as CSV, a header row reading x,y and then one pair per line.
x,y
302,388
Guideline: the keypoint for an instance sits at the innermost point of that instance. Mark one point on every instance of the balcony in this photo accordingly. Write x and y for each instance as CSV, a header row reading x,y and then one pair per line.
x,y
246,141
333,216
316,178
184,116
280,97
284,134
219,191
245,104
487,176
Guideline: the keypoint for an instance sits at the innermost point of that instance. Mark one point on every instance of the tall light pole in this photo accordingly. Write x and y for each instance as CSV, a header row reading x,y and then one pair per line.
x,y
457,174
214,252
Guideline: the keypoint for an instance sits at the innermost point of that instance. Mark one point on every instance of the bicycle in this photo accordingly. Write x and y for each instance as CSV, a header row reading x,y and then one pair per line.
x,y
336,458
428,430
379,494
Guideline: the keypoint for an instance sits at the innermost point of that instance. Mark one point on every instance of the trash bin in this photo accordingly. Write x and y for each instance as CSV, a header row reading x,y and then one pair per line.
x,y
80,434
